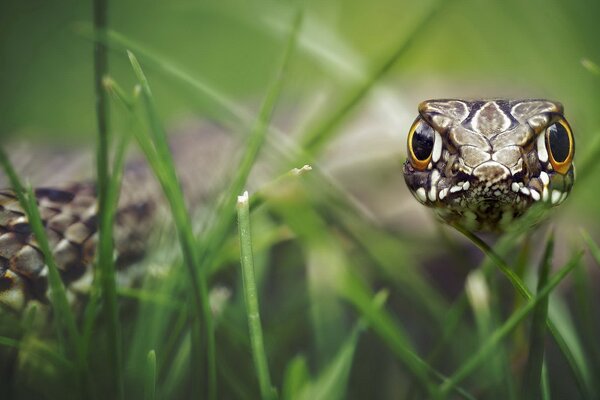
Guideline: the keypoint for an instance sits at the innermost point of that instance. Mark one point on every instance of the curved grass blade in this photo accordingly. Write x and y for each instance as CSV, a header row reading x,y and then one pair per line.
x,y
532,381
472,363
569,346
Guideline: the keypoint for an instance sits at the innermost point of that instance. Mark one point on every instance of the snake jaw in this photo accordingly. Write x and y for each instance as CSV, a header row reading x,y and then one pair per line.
x,y
495,161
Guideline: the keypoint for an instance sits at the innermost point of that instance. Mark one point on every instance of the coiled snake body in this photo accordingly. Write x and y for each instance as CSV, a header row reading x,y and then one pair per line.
x,y
69,214
483,163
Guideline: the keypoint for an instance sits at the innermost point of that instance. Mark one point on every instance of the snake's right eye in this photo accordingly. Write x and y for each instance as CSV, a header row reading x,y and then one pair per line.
x,y
421,138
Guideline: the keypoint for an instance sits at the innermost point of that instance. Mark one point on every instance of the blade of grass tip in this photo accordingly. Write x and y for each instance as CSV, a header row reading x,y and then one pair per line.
x,y
295,378
251,296
499,334
314,139
150,383
333,381
531,387
386,327
58,296
161,161
590,66
545,383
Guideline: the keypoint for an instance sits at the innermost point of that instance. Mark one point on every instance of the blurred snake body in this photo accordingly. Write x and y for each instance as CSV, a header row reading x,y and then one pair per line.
x,y
69,215
483,163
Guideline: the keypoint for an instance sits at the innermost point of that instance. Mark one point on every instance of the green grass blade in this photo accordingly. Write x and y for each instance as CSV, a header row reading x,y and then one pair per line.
x,y
592,246
531,387
316,138
157,153
295,378
150,381
251,296
332,382
472,363
569,347
105,252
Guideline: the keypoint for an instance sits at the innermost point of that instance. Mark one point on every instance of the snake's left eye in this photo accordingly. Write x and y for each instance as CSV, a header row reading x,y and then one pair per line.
x,y
421,140
561,146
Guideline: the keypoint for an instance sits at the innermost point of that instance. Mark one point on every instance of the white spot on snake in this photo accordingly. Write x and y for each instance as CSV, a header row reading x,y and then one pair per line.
x,y
545,194
535,195
563,197
544,178
497,193
556,196
525,191
466,185
455,189
421,195
437,148
443,193
541,148
514,187
435,177
433,193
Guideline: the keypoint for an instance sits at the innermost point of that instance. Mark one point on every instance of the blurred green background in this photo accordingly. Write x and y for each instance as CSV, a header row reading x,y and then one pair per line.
x,y
470,48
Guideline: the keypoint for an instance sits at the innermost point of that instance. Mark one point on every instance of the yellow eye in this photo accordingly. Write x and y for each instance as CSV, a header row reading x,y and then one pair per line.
x,y
561,146
420,143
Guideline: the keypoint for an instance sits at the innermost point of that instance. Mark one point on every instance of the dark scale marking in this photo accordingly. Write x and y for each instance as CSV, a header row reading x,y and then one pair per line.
x,y
55,195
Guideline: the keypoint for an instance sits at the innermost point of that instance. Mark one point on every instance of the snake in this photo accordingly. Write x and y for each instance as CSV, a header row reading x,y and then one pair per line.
x,y
482,164
69,212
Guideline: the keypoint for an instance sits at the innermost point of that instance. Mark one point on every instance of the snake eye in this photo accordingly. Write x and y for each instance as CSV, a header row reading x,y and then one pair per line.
x,y
561,146
421,138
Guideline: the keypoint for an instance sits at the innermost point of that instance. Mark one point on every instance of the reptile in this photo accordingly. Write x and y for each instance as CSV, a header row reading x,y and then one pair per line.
x,y
68,209
482,164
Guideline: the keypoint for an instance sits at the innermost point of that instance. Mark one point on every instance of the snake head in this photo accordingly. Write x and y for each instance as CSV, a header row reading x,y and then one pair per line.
x,y
483,163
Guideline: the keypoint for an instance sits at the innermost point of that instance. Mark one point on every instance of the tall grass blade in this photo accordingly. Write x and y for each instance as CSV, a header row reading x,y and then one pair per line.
x,y
532,381
295,378
150,383
476,359
157,153
333,381
251,299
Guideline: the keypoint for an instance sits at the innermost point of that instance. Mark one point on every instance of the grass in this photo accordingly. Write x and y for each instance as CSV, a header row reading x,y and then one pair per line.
x,y
327,303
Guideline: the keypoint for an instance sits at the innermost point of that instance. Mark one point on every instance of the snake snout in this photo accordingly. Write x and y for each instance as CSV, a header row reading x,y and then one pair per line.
x,y
491,172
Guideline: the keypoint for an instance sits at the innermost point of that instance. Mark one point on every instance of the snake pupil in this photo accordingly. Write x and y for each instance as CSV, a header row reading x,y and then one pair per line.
x,y
422,141
559,141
